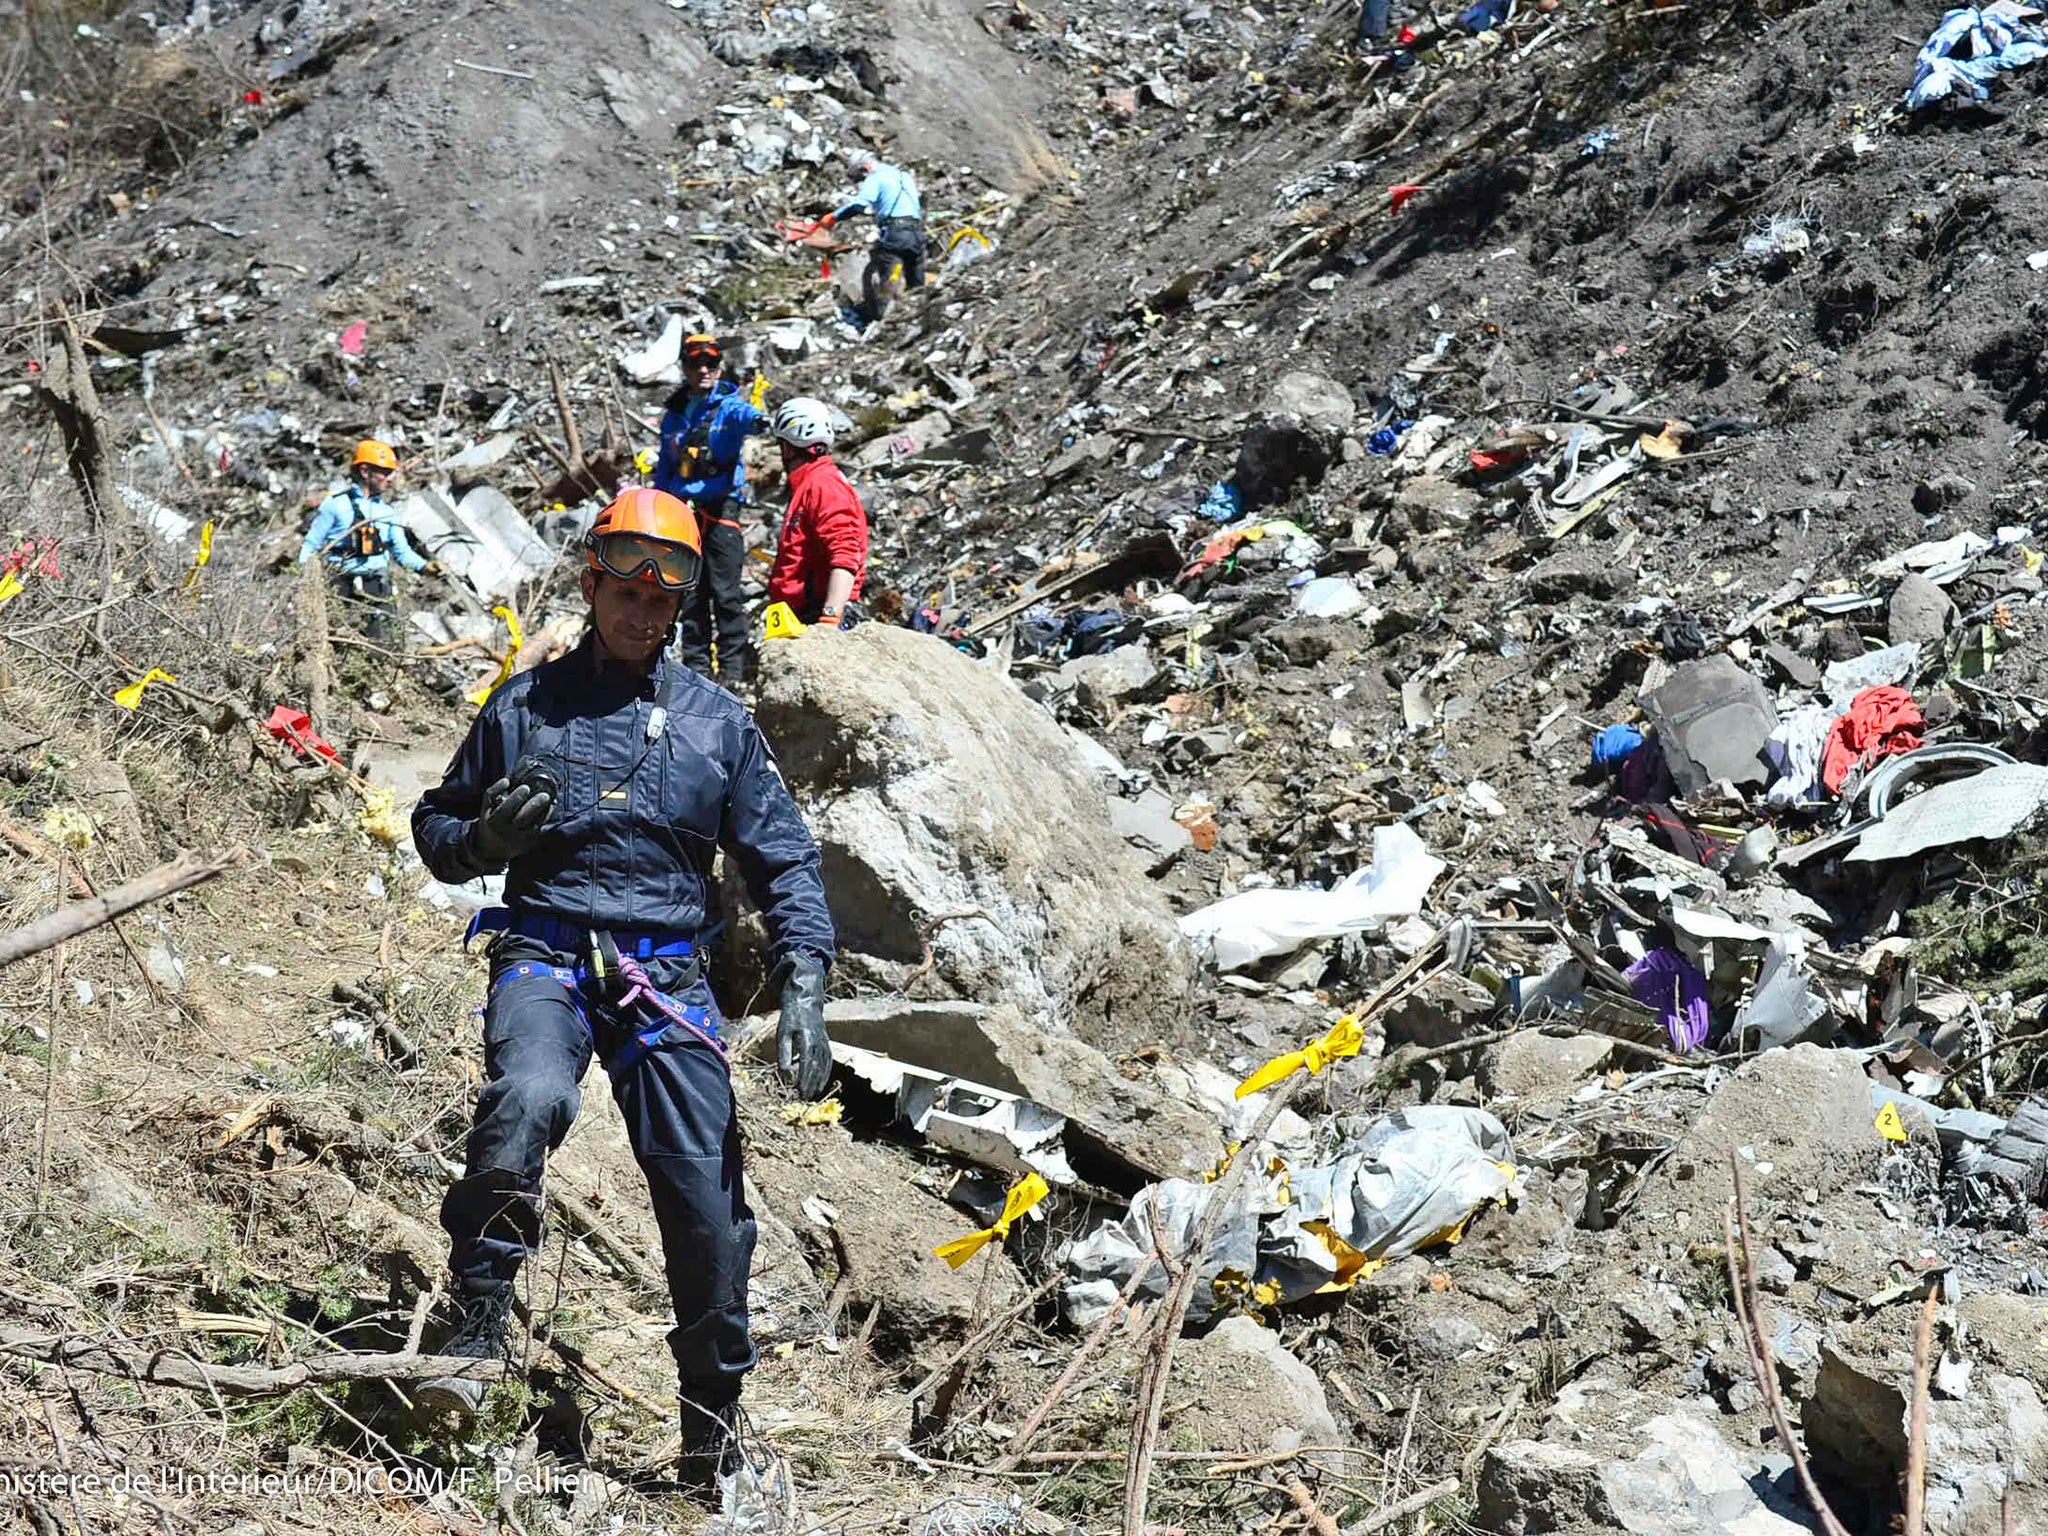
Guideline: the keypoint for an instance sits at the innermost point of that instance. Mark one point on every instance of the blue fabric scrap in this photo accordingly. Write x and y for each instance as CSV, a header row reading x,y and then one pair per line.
x,y
1989,45
1225,503
1614,745
1388,438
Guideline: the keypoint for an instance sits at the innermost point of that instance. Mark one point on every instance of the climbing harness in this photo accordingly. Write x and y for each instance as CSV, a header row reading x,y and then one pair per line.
x,y
612,974
670,1014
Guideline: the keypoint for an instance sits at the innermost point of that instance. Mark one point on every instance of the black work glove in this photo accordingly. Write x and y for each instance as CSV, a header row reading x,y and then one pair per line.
x,y
511,823
801,1048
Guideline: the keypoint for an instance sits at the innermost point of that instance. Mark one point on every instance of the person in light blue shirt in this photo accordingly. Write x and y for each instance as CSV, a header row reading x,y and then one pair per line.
x,y
357,533
890,194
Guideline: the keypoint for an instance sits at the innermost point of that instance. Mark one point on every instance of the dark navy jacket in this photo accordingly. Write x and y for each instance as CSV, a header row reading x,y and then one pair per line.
x,y
641,858
718,421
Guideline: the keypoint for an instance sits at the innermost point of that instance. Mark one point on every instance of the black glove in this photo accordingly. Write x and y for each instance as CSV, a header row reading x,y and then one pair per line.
x,y
801,1048
511,823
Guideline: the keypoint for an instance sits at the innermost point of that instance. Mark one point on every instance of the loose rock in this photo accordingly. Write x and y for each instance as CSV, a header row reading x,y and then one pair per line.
x,y
937,790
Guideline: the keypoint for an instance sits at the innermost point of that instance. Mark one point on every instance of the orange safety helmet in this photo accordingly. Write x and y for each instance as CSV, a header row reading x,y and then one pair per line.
x,y
646,535
377,455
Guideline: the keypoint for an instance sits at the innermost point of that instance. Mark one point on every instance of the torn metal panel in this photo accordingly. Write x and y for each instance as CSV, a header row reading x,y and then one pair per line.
x,y
985,1125
1986,806
1710,926
481,538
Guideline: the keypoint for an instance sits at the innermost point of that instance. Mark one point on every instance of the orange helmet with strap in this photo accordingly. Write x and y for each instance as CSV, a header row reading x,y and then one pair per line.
x,y
646,535
375,454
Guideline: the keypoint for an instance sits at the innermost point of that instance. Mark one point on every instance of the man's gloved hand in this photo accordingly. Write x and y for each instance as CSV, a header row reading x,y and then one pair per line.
x,y
511,823
433,568
801,1047
828,221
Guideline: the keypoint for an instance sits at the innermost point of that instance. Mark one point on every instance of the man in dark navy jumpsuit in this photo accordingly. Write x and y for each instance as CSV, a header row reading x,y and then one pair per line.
x,y
603,784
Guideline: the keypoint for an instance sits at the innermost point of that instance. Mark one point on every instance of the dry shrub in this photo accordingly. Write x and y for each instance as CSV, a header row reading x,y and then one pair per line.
x,y
168,103
82,112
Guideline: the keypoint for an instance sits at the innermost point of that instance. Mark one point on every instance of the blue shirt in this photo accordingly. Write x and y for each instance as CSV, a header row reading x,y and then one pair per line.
x,y
341,512
632,841
717,422
888,193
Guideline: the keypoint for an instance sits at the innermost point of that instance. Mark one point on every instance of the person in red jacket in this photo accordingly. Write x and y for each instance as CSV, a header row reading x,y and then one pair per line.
x,y
821,556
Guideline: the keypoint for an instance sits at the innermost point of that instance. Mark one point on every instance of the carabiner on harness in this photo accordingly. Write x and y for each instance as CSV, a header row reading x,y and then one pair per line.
x,y
601,964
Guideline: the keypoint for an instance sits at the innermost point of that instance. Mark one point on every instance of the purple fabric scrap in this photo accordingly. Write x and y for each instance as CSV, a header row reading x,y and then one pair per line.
x,y
1668,982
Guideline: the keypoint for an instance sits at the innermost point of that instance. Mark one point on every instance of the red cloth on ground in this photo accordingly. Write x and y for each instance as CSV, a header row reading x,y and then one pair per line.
x,y
824,529
1880,721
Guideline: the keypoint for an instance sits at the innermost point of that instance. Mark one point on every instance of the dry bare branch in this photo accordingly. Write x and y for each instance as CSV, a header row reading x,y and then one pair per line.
x,y
1742,1283
164,1369
84,916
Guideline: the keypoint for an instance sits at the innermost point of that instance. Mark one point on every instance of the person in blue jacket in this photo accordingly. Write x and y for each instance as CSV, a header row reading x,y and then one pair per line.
x,y
357,534
703,429
603,785
890,194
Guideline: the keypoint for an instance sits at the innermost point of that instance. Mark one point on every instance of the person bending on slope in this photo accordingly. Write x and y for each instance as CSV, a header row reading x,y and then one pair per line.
x,y
890,194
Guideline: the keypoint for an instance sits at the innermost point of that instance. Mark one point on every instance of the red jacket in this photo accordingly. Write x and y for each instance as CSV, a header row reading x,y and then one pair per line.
x,y
824,529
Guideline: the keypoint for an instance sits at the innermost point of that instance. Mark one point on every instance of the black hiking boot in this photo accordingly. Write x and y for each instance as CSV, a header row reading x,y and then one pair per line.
x,y
479,1335
711,1446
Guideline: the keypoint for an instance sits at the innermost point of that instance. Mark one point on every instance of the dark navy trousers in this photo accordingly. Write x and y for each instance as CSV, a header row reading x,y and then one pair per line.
x,y
716,609
680,1116
900,240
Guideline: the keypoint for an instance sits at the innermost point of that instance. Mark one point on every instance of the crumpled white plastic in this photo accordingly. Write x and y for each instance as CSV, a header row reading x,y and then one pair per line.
x,y
662,362
1395,1184
1243,929
1328,597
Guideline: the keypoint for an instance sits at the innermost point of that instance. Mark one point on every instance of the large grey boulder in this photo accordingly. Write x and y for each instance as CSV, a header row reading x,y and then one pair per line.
x,y
1799,1118
1542,1067
1319,401
819,1182
968,852
1294,439
1671,1473
1106,679
1919,611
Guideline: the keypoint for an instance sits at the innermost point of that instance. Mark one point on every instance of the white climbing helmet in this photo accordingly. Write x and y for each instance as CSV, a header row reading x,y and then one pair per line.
x,y
805,423
859,162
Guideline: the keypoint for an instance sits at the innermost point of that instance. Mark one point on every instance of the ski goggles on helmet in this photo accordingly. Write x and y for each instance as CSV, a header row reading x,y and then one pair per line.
x,y
702,349
635,557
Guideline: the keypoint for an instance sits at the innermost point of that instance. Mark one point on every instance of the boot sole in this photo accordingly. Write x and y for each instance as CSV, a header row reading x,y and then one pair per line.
x,y
450,1399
